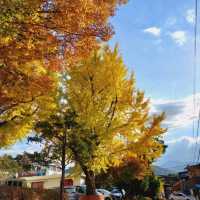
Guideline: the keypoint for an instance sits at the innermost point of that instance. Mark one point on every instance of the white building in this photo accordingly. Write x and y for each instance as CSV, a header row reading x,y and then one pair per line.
x,y
44,182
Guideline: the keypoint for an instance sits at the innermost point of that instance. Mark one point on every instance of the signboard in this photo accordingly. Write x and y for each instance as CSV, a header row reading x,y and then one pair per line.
x,y
68,182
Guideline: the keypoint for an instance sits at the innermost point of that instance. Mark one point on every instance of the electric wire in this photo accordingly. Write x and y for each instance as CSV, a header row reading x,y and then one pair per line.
x,y
195,136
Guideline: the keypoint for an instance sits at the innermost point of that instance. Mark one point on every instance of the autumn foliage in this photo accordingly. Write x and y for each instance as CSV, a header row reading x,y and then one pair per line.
x,y
115,115
58,79
112,116
33,36
35,29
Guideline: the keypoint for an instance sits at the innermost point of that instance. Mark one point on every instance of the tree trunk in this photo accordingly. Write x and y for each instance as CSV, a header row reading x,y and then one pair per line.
x,y
63,168
90,182
89,175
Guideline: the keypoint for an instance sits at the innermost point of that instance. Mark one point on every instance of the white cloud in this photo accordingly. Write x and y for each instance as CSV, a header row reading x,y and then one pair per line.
x,y
184,139
179,113
179,37
171,21
155,31
184,146
20,147
190,16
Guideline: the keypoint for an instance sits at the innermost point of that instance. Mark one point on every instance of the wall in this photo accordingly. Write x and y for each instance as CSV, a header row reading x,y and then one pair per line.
x,y
51,183
12,193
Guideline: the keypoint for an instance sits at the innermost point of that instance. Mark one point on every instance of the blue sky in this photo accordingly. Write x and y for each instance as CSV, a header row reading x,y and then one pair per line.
x,y
162,65
156,39
156,42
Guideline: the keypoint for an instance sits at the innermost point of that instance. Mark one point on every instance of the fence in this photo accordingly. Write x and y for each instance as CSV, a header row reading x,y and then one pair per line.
x,y
16,193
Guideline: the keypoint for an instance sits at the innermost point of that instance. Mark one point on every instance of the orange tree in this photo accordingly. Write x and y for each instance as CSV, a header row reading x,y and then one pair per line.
x,y
31,36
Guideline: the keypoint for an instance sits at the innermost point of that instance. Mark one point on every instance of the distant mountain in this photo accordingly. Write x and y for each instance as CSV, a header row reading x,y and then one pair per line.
x,y
162,171
176,166
178,155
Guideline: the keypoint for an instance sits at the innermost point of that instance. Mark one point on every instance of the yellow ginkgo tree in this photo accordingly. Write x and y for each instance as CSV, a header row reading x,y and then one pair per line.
x,y
113,120
101,119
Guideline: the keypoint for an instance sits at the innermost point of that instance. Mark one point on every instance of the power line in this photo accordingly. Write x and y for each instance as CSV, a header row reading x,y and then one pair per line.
x,y
197,135
194,85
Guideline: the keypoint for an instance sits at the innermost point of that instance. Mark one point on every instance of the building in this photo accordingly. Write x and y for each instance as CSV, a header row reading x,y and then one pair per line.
x,y
169,181
40,170
44,177
183,175
43,182
193,170
189,181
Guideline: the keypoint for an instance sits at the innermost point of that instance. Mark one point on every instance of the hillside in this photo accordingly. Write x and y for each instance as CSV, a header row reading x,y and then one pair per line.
x,y
162,171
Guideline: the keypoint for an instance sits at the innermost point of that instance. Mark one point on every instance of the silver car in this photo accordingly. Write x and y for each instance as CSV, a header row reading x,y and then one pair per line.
x,y
74,192
180,196
107,195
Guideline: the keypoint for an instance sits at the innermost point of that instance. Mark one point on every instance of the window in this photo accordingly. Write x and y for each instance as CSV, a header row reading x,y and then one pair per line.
x,y
9,183
70,190
19,184
37,185
179,194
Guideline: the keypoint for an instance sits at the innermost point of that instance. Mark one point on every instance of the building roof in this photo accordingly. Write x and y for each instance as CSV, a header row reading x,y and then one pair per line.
x,y
193,166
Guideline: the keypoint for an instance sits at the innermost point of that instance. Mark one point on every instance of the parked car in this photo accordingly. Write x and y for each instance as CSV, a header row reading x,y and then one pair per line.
x,y
117,194
74,192
71,193
180,196
107,194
